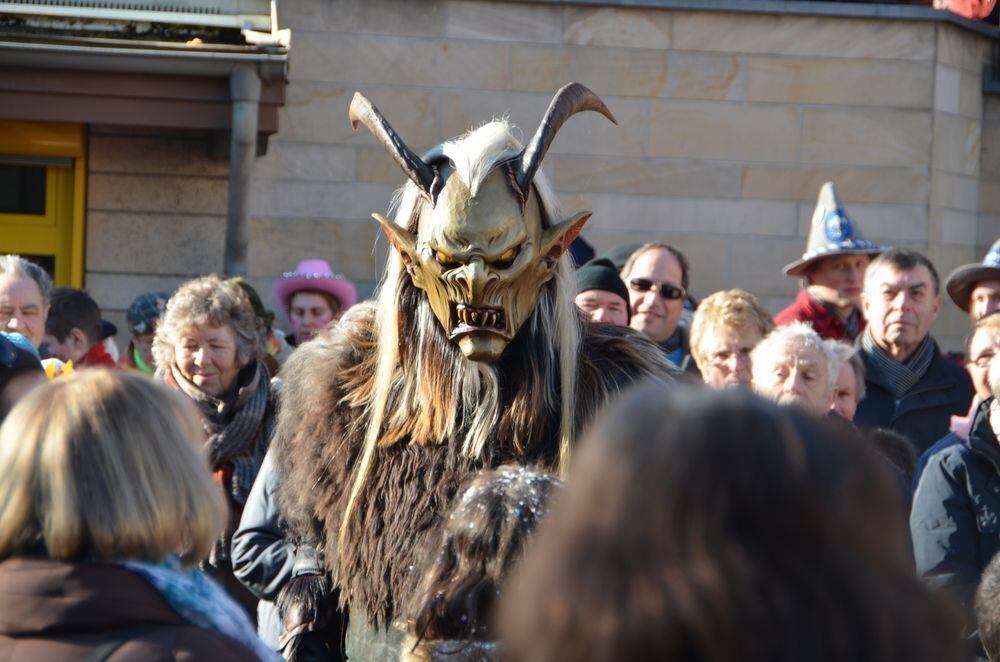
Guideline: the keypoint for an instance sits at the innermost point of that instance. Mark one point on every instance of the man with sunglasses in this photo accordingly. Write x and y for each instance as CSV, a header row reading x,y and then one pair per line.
x,y
833,271
657,279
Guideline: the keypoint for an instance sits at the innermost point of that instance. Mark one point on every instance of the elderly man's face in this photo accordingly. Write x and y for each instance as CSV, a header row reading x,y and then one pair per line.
x,y
652,312
845,392
724,356
900,307
22,309
795,374
603,306
838,280
984,346
985,298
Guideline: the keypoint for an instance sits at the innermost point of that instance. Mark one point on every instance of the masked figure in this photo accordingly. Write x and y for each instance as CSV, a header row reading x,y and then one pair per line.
x,y
472,355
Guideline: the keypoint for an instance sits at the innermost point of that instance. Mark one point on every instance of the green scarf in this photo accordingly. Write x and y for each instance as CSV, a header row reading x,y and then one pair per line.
x,y
144,367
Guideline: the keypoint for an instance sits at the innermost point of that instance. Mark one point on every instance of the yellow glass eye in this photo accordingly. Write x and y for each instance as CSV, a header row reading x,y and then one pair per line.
x,y
506,260
445,260
508,255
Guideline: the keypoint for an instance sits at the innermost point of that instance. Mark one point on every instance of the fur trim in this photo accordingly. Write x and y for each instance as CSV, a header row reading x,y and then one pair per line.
x,y
320,437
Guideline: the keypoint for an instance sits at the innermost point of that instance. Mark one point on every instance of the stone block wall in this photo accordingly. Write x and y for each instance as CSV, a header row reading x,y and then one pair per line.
x,y
156,214
728,125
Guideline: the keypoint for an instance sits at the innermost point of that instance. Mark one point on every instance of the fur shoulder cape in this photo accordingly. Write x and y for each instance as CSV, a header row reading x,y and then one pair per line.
x,y
320,437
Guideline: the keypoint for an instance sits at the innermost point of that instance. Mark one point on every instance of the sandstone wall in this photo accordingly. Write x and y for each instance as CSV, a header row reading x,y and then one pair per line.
x,y
728,125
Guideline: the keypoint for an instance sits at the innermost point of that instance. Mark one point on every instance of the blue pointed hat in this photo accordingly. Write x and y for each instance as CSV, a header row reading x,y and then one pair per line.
x,y
963,280
830,233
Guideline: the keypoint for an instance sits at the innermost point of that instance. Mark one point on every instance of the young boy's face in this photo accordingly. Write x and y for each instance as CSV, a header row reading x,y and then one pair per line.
x,y
72,348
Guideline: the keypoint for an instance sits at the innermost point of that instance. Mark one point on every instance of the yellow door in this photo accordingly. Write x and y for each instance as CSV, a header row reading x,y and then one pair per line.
x,y
41,196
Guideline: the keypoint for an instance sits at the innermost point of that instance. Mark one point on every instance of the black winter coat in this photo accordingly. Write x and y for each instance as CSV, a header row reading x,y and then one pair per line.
x,y
924,413
955,521
262,558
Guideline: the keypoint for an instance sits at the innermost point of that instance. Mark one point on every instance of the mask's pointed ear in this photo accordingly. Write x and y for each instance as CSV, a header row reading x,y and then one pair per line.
x,y
402,239
556,240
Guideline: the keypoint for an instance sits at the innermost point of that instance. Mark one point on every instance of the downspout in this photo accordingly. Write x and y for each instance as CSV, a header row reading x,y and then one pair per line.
x,y
244,88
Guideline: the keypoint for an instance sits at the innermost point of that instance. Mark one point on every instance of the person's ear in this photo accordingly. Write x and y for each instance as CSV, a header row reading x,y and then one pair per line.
x,y
78,340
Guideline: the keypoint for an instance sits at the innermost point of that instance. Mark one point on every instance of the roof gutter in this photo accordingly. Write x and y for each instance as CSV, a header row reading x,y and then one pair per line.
x,y
191,61
217,20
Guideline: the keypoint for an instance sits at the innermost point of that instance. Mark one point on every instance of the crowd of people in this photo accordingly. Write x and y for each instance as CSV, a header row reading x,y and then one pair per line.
x,y
820,484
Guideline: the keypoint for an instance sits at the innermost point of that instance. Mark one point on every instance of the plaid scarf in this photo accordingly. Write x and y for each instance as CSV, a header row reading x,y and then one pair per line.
x,y
238,432
852,323
897,377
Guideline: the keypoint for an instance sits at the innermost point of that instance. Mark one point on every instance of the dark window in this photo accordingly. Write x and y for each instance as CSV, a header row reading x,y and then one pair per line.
x,y
22,189
47,262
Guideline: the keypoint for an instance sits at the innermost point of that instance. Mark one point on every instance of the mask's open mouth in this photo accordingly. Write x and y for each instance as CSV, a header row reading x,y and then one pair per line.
x,y
472,319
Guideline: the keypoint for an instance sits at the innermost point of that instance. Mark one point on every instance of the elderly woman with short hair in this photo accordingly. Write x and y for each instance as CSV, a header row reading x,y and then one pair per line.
x,y
208,346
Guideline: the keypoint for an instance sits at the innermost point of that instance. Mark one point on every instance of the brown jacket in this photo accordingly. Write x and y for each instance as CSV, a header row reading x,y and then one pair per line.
x,y
54,611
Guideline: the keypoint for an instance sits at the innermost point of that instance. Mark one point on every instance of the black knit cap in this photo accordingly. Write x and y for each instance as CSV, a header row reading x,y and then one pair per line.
x,y
600,274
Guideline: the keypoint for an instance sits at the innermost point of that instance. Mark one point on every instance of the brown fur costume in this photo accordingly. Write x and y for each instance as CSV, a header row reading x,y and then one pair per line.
x,y
320,438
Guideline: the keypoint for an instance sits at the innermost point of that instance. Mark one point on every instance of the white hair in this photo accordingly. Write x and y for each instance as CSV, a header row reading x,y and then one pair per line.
x,y
21,269
800,335
848,354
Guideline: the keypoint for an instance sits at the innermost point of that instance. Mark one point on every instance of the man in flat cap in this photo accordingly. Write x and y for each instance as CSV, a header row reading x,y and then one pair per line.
x,y
975,288
833,268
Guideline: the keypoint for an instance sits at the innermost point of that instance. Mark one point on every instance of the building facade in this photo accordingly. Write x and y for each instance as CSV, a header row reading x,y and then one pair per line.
x,y
730,119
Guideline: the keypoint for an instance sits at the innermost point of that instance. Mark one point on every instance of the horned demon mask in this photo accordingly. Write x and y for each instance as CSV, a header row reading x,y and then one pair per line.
x,y
481,253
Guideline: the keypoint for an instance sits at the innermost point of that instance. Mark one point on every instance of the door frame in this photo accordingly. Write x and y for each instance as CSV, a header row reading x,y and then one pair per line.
x,y
56,140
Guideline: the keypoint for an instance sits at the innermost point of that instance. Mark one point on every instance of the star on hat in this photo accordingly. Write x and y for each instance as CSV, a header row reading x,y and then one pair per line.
x,y
964,279
831,233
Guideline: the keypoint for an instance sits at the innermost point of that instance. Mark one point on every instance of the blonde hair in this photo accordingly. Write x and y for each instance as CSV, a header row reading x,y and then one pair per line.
x,y
103,466
213,301
734,309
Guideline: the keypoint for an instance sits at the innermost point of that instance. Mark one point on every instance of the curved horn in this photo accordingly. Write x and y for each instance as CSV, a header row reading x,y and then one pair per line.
x,y
568,101
363,111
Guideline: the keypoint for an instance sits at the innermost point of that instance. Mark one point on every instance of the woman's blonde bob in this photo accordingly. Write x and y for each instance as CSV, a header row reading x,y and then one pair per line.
x,y
104,466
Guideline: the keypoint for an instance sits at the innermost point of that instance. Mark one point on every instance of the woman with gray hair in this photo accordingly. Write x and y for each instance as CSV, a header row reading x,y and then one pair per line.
x,y
208,347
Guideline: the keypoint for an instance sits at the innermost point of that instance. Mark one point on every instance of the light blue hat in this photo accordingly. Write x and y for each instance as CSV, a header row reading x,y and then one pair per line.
x,y
831,233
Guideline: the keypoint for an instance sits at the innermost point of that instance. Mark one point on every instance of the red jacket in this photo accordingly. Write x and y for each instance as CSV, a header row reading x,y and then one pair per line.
x,y
97,357
826,323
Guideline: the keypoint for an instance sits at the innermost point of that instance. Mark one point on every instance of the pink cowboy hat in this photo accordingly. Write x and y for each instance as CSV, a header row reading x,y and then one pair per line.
x,y
315,275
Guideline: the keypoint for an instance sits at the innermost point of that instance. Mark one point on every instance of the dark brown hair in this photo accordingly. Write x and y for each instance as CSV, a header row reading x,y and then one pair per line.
x,y
714,526
73,309
678,255
903,259
480,540
332,302
897,448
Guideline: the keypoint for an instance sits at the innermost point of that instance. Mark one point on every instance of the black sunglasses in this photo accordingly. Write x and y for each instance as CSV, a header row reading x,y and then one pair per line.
x,y
668,291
